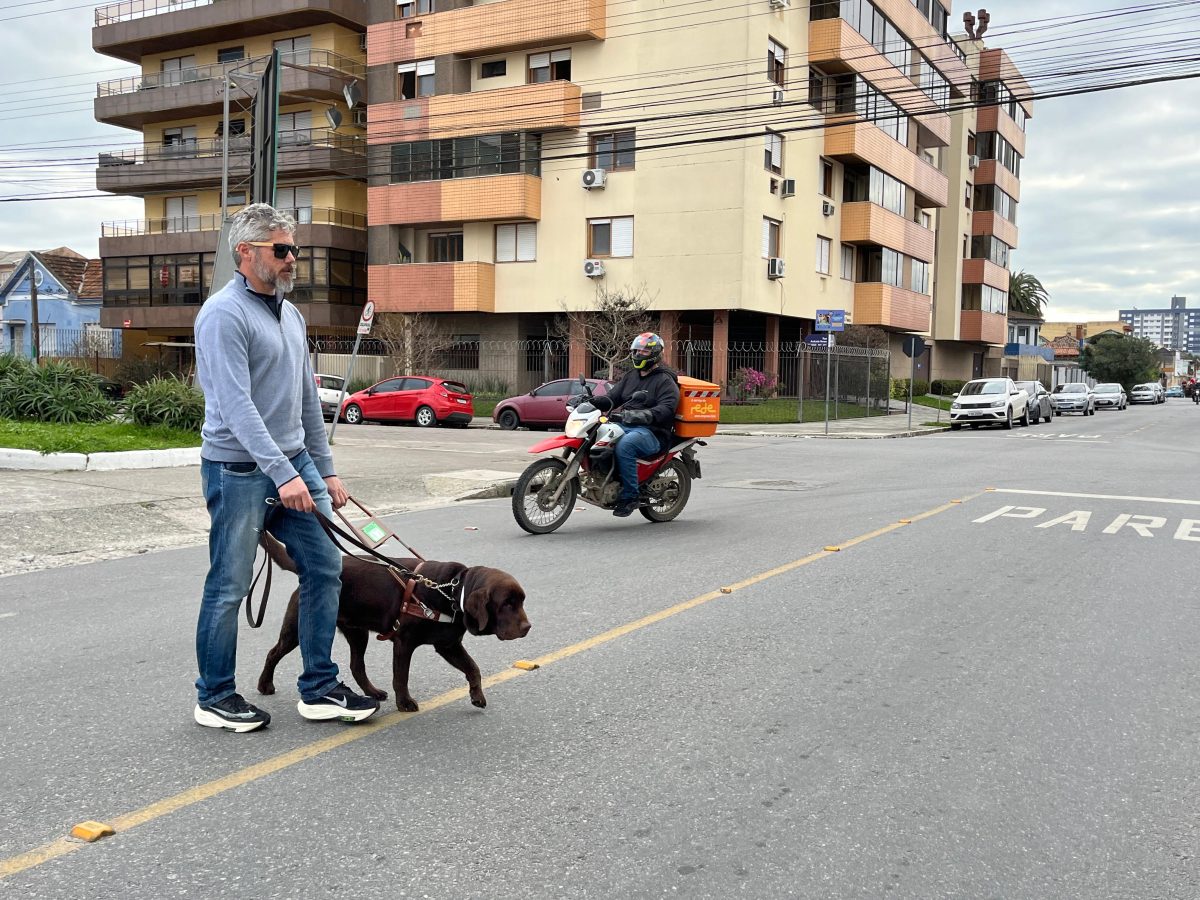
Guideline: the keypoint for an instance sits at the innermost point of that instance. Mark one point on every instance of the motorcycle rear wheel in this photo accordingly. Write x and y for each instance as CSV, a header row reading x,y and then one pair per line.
x,y
531,497
673,483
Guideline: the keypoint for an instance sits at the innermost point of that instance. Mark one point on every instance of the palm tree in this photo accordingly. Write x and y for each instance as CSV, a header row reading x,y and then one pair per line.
x,y
1026,294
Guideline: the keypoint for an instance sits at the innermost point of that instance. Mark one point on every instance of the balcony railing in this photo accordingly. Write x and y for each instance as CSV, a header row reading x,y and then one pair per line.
x,y
196,148
324,60
128,10
305,215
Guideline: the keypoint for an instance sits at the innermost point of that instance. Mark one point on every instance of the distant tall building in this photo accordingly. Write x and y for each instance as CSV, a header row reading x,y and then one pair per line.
x,y
1177,328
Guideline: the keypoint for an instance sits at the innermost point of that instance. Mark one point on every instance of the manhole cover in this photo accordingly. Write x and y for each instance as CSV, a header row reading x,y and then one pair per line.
x,y
775,484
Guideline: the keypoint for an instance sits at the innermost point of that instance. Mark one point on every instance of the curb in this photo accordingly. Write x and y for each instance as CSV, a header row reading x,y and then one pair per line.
x,y
32,460
833,437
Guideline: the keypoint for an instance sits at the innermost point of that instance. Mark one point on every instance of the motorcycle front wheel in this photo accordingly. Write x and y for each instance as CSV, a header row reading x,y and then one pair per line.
x,y
531,503
672,484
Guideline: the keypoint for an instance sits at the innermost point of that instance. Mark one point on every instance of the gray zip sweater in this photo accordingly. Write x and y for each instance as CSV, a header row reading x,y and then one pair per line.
x,y
260,398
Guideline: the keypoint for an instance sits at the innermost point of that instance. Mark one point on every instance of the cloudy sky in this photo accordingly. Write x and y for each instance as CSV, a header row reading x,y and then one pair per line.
x,y
1110,208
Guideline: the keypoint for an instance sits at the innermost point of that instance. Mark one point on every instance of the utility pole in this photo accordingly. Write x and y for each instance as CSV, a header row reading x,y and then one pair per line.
x,y
33,311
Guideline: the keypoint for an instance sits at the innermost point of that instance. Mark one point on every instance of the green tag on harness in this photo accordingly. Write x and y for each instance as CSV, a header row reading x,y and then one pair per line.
x,y
374,531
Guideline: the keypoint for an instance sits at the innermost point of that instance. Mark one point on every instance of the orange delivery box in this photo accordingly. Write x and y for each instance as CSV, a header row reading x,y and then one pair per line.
x,y
699,408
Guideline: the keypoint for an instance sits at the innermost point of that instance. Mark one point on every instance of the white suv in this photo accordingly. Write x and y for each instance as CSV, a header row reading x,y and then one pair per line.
x,y
329,389
989,401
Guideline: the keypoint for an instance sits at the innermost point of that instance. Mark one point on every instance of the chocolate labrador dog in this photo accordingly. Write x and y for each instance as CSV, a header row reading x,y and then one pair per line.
x,y
482,601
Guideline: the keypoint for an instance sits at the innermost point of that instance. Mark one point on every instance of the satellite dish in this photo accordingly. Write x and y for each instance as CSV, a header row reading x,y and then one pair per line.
x,y
353,94
333,117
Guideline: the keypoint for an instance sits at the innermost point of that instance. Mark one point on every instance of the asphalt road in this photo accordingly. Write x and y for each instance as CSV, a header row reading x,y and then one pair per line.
x,y
992,700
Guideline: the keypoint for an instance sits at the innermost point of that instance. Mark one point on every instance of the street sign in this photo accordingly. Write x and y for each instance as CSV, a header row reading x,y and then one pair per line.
x,y
368,316
816,340
831,320
914,345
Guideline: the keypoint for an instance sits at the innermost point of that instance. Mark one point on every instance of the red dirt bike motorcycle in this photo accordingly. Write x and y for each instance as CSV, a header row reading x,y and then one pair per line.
x,y
547,490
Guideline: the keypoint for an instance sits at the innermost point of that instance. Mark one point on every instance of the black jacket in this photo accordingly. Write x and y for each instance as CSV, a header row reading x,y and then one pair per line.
x,y
662,386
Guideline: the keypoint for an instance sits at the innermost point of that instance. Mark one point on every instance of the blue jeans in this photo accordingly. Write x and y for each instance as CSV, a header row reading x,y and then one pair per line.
x,y
637,442
237,505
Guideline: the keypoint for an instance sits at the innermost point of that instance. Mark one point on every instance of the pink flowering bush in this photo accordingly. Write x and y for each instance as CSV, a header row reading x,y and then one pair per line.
x,y
750,384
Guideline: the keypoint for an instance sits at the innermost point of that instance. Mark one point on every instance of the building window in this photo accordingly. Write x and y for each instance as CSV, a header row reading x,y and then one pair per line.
x,y
182,213
415,79
920,276
516,243
235,198
847,262
777,63
446,247
296,201
816,87
409,8
467,157
610,237
493,68
827,178
552,66
824,245
613,150
296,49
770,238
773,152
230,54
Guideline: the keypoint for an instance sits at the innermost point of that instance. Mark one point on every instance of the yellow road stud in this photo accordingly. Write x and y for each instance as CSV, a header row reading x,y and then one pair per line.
x,y
726,590
91,831
956,501
832,549
906,521
526,665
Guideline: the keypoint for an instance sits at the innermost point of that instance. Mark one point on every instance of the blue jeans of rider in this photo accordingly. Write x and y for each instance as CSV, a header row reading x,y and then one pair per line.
x,y
236,495
638,442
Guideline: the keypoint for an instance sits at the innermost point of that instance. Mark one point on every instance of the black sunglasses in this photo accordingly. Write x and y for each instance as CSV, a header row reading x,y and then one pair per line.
x,y
281,251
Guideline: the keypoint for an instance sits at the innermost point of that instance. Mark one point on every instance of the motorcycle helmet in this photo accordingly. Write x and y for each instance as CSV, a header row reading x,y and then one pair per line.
x,y
646,350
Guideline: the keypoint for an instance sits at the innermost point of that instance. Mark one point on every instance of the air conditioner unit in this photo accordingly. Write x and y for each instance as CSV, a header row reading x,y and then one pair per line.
x,y
593,268
777,97
362,42
972,161
789,188
779,4
359,117
774,267
827,208
593,178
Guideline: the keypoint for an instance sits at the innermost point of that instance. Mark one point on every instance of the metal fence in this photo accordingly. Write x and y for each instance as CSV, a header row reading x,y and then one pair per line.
x,y
791,376
96,349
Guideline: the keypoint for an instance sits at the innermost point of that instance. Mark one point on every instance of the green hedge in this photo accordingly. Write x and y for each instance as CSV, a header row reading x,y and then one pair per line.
x,y
946,386
166,401
900,388
52,392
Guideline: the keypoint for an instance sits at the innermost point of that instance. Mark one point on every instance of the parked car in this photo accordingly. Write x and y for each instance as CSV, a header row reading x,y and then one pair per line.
x,y
1040,406
989,401
1174,391
1074,396
1160,390
1144,393
411,398
329,389
545,406
1110,395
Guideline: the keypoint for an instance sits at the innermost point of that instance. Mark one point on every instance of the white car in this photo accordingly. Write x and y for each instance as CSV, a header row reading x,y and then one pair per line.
x,y
1074,396
989,401
1145,393
329,389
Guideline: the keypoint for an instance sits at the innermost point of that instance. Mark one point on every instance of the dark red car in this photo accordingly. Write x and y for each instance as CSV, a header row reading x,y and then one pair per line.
x,y
545,406
411,398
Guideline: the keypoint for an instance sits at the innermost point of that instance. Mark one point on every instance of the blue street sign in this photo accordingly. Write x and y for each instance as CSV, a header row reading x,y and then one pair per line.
x,y
831,320
816,340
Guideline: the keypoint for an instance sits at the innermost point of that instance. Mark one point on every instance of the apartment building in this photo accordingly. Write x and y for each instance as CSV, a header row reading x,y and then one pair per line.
x,y
158,269
1174,328
743,167
978,231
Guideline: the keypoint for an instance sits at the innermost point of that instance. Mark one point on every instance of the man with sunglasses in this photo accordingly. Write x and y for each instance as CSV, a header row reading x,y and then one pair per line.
x,y
264,439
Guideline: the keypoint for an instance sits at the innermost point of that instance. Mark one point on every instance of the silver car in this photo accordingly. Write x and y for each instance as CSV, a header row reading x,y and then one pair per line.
x,y
1144,393
1040,406
1074,396
1110,396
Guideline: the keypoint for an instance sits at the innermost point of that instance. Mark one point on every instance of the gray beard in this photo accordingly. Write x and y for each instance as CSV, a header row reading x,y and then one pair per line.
x,y
279,283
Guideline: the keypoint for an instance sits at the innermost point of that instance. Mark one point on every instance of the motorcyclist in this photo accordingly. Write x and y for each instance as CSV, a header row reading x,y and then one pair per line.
x,y
648,421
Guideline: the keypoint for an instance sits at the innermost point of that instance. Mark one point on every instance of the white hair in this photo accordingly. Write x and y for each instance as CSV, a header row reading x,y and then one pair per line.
x,y
255,223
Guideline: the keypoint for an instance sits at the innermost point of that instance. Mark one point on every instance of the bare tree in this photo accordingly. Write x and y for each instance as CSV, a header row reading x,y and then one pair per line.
x,y
610,323
413,340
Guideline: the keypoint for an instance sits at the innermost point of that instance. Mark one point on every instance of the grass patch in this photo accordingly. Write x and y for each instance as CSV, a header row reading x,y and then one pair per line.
x,y
483,408
98,437
931,402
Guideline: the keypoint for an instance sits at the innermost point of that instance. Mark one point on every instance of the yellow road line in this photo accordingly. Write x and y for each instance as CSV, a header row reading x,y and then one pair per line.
x,y
201,792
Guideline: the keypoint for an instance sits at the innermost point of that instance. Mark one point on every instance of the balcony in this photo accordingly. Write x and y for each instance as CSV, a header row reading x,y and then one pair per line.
x,y
196,92
491,197
984,327
487,28
132,29
316,227
990,223
433,287
304,153
991,172
891,307
866,223
554,106
984,271
863,142
995,118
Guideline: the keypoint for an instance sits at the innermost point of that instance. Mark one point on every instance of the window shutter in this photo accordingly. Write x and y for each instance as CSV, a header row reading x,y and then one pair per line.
x,y
766,238
622,236
527,242
506,244
425,67
539,60
304,196
191,211
560,55
406,67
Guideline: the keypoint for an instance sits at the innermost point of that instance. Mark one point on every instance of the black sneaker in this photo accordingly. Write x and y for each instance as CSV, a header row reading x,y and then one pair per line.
x,y
625,508
339,703
233,714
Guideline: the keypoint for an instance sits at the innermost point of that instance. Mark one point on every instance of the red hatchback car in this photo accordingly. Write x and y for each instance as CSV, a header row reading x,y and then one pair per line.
x,y
545,406
411,398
